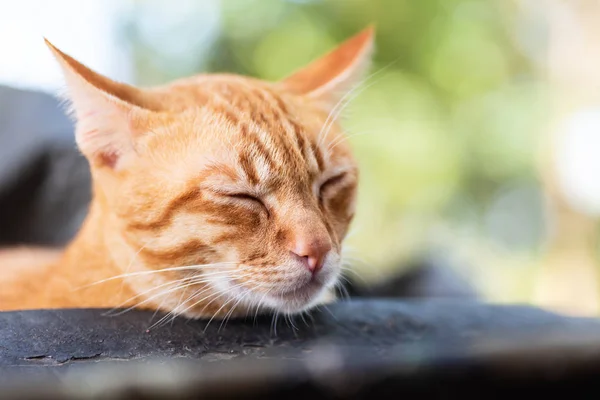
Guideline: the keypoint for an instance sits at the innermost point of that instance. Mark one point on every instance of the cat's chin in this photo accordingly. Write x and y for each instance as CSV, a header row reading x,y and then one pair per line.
x,y
313,293
301,300
247,300
294,302
324,296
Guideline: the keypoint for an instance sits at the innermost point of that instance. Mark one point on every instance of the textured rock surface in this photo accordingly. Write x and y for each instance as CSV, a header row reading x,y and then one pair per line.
x,y
421,340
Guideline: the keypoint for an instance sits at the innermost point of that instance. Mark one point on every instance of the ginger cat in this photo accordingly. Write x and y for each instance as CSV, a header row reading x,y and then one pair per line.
x,y
214,195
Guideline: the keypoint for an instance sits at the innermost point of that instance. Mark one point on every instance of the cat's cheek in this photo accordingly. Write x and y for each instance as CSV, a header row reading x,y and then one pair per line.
x,y
251,245
345,225
339,221
230,254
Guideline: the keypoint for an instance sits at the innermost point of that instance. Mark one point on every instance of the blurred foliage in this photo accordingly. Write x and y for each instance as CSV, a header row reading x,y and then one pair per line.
x,y
445,128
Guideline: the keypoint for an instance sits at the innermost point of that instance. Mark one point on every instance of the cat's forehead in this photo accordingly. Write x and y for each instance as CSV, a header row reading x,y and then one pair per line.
x,y
243,104
210,90
243,130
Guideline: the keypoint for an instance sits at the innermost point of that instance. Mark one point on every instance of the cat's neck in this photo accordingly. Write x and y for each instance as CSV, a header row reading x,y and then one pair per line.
x,y
87,256
48,280
109,269
83,266
94,265
96,270
107,255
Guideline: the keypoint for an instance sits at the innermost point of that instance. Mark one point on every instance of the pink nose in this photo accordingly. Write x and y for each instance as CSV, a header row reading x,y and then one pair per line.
x,y
311,252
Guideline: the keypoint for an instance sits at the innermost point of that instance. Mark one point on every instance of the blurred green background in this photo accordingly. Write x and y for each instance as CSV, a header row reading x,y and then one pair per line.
x,y
445,129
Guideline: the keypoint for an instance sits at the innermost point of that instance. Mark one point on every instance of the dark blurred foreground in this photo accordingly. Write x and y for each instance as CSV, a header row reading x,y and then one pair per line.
x,y
355,349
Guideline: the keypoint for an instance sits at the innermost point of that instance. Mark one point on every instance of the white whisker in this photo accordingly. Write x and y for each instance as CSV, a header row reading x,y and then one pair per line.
x,y
148,291
345,100
228,315
274,323
260,303
171,269
303,319
343,138
161,293
218,294
133,258
175,312
220,308
340,285
198,280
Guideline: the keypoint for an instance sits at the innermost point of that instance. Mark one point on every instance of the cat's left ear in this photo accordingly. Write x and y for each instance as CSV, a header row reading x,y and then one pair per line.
x,y
330,77
110,115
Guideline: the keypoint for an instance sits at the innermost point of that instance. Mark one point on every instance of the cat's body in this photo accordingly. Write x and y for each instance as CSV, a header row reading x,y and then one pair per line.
x,y
214,194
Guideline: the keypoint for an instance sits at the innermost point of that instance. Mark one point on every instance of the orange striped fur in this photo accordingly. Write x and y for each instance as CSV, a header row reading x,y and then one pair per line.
x,y
214,195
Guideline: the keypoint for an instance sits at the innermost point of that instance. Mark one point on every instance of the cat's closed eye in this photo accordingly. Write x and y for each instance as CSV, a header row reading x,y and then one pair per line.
x,y
245,196
248,198
331,183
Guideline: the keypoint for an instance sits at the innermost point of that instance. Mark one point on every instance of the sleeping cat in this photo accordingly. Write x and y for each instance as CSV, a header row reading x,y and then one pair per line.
x,y
214,195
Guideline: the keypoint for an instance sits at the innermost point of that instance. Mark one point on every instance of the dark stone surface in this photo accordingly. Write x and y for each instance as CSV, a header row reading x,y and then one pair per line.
x,y
425,340
53,338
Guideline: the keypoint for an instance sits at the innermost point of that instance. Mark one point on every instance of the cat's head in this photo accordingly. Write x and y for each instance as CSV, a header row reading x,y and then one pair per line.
x,y
250,184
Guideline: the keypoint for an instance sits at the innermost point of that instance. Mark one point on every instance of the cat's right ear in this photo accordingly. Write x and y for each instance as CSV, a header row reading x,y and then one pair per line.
x,y
329,78
106,112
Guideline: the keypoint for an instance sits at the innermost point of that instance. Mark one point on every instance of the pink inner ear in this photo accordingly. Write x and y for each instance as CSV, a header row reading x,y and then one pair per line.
x,y
348,55
108,159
